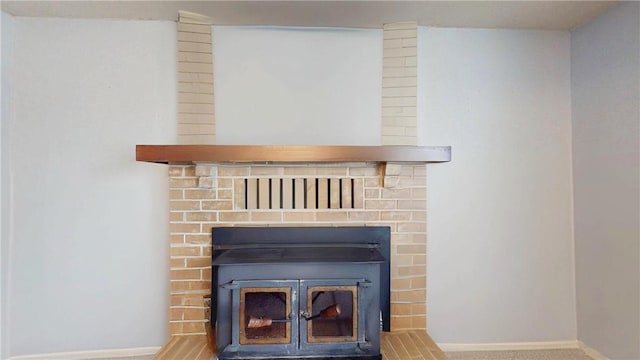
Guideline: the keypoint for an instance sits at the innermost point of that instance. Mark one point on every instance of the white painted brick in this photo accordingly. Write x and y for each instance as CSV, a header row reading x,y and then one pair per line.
x,y
400,25
399,91
394,62
196,129
275,194
195,78
399,71
392,111
195,119
193,18
204,29
207,182
190,67
391,181
299,190
358,193
398,140
189,56
392,130
194,87
196,139
404,121
252,191
392,43
194,37
311,194
194,98
258,170
195,108
346,194
411,61
401,52
400,81
206,170
393,169
410,42
399,101
323,194
420,171
400,34
194,47
410,131
399,111
287,192
263,186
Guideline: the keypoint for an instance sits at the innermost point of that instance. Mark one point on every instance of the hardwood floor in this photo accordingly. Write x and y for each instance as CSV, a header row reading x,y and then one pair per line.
x,y
548,354
397,345
409,345
186,347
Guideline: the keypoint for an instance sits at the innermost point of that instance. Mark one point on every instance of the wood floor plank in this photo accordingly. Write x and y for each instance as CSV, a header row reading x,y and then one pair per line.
x,y
424,350
167,347
185,347
195,343
387,351
425,340
397,345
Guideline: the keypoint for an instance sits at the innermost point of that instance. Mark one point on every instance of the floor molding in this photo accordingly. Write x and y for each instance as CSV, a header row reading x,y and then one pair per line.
x,y
571,344
593,353
94,354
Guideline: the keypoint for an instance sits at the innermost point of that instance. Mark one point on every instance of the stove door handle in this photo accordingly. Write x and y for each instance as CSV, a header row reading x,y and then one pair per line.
x,y
304,314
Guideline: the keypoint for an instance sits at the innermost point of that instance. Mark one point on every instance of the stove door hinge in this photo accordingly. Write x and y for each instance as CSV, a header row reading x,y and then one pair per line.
x,y
231,285
364,283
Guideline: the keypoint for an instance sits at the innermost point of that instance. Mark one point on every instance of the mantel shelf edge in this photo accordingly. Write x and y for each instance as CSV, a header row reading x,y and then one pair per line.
x,y
188,154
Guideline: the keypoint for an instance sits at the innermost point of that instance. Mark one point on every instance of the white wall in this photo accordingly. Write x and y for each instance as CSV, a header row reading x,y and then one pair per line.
x,y
89,257
500,243
605,80
297,86
7,76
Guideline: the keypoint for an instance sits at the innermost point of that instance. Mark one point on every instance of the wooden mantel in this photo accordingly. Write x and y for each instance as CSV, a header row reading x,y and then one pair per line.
x,y
186,154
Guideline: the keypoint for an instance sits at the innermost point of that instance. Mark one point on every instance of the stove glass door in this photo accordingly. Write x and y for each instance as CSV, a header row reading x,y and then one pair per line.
x,y
331,311
265,314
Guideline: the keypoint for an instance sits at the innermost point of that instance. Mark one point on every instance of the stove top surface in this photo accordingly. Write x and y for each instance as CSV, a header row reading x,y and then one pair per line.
x,y
298,254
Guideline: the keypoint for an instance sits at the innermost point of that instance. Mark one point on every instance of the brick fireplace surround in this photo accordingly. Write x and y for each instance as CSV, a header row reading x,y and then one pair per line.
x,y
205,195
210,195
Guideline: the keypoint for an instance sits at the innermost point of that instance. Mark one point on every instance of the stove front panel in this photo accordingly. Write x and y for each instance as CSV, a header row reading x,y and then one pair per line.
x,y
298,310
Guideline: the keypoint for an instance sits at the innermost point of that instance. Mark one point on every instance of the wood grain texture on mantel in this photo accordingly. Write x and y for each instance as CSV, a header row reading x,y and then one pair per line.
x,y
186,154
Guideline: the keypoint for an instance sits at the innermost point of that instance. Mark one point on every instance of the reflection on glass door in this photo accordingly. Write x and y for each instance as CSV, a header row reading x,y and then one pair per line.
x,y
264,315
332,314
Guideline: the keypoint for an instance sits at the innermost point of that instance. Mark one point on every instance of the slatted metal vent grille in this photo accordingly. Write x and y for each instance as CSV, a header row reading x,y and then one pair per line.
x,y
301,193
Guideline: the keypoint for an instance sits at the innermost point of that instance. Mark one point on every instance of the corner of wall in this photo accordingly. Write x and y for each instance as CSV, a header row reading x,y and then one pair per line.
x,y
7,84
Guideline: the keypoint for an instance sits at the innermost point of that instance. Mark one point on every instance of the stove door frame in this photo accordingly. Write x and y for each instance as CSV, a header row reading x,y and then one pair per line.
x,y
237,287
361,298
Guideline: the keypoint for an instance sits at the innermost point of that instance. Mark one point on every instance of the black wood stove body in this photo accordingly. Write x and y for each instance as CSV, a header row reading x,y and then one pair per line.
x,y
300,292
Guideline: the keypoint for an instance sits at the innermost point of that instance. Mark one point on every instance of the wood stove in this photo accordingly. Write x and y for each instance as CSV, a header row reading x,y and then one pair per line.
x,y
300,292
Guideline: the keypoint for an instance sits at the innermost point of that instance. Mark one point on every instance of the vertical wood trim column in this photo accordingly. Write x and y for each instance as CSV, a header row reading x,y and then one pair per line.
x,y
196,124
399,84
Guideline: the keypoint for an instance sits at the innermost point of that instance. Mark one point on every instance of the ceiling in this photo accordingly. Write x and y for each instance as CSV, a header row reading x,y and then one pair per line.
x,y
545,15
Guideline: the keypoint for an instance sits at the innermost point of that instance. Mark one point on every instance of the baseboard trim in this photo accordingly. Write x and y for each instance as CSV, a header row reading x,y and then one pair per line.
x,y
593,353
94,354
571,344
